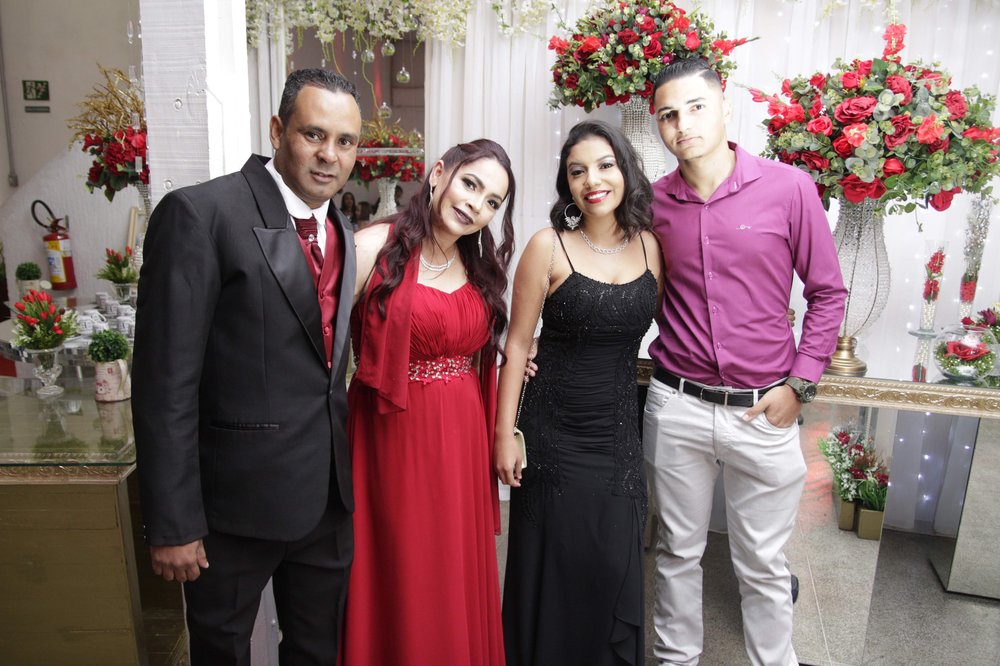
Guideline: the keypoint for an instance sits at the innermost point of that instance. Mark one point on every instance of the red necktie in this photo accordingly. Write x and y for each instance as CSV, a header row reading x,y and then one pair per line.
x,y
310,244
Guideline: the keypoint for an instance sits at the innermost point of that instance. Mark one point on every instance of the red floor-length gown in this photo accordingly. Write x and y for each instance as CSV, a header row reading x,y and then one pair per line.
x,y
424,585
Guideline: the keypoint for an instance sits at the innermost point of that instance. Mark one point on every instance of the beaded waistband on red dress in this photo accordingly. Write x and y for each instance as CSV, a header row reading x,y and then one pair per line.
x,y
442,368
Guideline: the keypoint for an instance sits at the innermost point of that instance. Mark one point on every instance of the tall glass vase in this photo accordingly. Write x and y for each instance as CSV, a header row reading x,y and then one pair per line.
x,y
864,264
636,126
140,232
386,197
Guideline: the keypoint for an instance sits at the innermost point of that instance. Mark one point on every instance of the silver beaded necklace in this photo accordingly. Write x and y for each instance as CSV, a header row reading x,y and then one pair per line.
x,y
603,250
437,268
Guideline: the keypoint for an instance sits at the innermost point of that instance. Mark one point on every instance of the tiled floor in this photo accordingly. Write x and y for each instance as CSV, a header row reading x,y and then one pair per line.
x,y
911,620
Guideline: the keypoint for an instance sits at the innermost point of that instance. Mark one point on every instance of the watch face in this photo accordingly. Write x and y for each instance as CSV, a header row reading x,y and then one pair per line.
x,y
804,390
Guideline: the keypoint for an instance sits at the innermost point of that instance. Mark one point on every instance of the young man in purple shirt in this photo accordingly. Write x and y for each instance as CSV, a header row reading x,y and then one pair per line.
x,y
729,381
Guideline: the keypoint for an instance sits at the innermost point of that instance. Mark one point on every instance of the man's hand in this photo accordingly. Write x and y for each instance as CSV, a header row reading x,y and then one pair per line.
x,y
780,406
180,563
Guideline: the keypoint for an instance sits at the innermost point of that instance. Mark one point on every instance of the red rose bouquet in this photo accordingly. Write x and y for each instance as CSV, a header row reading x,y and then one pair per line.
x,y
855,464
111,131
989,318
617,50
376,134
885,130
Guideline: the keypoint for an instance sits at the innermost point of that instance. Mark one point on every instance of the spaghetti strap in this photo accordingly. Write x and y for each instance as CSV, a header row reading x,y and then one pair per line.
x,y
571,267
645,258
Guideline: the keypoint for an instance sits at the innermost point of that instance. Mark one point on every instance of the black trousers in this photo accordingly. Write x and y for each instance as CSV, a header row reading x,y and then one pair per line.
x,y
310,588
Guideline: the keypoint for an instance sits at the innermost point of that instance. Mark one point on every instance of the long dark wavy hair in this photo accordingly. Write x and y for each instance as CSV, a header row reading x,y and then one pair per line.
x,y
633,213
487,273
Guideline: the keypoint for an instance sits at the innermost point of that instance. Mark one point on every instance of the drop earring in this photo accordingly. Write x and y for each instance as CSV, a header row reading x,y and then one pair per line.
x,y
572,221
430,198
480,243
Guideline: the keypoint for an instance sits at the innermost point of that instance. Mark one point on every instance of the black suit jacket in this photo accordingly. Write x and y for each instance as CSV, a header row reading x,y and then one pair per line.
x,y
240,426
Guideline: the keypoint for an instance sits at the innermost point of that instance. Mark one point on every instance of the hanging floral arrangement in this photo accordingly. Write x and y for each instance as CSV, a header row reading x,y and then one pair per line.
x,y
884,130
616,50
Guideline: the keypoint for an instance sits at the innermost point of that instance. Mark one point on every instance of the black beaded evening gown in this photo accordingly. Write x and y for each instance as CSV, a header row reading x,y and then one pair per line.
x,y
573,586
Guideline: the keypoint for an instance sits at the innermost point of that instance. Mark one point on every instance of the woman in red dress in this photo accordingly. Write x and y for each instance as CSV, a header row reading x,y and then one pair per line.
x,y
431,282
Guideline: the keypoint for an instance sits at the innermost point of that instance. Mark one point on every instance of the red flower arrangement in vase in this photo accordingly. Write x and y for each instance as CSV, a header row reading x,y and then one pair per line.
x,y
880,129
110,128
616,50
406,165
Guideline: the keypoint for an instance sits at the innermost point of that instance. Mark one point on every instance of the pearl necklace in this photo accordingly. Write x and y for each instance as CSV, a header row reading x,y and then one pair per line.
x,y
604,250
437,268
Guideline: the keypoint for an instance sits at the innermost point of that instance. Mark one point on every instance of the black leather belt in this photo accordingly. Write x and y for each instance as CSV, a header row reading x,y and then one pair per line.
x,y
730,398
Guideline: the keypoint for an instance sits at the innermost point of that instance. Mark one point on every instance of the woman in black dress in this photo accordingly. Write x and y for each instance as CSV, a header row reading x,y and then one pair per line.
x,y
573,587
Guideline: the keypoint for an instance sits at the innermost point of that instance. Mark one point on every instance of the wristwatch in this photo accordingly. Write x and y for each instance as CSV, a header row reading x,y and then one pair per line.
x,y
805,390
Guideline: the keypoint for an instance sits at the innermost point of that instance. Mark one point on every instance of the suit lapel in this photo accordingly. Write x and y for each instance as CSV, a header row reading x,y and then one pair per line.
x,y
348,277
283,253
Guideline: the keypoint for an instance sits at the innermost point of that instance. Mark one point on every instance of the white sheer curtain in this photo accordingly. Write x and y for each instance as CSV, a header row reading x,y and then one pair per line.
x,y
498,86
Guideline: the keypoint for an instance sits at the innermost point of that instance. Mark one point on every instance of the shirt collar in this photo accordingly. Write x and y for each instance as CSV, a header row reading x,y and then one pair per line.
x,y
745,171
295,206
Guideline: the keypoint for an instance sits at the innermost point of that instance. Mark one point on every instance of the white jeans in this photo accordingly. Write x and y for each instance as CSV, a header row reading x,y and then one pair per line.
x,y
684,439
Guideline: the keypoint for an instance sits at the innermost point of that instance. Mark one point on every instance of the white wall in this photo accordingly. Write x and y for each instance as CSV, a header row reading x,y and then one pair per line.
x,y
61,42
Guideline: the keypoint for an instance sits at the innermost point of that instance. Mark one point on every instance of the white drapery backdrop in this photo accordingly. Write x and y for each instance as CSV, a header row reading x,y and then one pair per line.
x,y
498,86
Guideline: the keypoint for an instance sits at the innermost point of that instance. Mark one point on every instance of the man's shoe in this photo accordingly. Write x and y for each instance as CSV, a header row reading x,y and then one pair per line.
x,y
795,588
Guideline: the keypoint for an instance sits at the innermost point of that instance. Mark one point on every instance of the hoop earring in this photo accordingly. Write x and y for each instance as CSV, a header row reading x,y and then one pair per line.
x,y
572,221
480,243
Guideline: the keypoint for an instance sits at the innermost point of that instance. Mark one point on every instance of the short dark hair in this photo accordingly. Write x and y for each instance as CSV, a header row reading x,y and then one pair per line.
x,y
678,69
633,213
321,78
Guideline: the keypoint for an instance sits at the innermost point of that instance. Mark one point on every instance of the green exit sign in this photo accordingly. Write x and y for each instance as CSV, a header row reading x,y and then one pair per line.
x,y
36,90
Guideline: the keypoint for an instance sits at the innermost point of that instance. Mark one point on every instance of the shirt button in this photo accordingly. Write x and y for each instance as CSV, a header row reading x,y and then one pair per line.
x,y
715,309
326,329
706,240
718,345
711,275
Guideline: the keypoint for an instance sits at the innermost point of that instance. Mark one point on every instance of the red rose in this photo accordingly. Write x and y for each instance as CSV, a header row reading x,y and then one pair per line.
x,y
854,109
942,201
864,67
940,144
899,85
647,25
556,76
621,63
850,80
820,125
956,105
930,129
647,91
692,41
817,81
930,78
814,160
795,113
817,108
94,175
587,47
855,134
558,45
681,23
842,146
787,157
572,81
654,48
776,124
903,129
893,167
628,36
965,352
857,190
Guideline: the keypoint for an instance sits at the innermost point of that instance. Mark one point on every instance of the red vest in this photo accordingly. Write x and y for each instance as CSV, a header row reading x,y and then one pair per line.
x,y
328,283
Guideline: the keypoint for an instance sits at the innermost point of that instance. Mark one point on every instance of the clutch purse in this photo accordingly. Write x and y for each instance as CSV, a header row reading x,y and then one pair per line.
x,y
519,438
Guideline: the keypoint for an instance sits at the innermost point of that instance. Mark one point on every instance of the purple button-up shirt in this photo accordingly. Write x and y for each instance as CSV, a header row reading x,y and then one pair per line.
x,y
729,263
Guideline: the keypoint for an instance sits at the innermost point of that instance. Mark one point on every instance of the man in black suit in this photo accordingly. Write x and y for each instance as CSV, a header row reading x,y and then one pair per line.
x,y
239,400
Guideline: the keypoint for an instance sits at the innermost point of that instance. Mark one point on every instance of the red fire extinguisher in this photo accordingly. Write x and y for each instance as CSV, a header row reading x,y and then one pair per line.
x,y
57,248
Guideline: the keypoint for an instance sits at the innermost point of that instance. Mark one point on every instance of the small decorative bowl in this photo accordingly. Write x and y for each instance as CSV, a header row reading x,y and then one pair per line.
x,y
965,353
